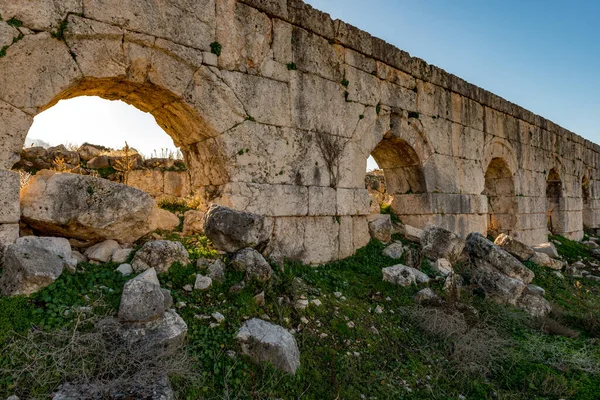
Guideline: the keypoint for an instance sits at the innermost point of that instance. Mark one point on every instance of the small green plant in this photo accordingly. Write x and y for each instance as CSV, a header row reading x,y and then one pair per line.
x,y
15,22
361,116
378,108
60,32
90,190
413,114
292,66
250,118
345,82
216,48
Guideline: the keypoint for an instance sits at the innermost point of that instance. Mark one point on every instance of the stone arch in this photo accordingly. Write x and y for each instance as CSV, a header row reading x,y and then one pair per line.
x,y
554,197
502,149
500,191
401,166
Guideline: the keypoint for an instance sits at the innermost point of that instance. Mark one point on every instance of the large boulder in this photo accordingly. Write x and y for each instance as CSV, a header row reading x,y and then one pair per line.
x,y
85,208
441,243
59,246
263,341
160,255
253,264
403,275
518,249
142,299
482,250
28,268
231,230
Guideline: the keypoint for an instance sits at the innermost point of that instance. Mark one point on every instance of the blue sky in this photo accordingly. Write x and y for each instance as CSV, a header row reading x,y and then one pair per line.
x,y
542,55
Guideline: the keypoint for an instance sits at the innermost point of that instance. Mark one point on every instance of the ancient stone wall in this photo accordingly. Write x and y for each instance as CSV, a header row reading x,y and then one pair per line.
x,y
277,107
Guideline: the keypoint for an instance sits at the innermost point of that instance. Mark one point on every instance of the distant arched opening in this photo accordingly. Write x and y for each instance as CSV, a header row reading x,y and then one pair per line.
x,y
401,166
553,197
500,191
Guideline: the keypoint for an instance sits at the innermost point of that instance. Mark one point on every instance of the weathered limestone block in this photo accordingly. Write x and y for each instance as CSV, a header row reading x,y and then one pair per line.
x,y
232,230
253,264
518,249
177,184
245,34
7,34
102,252
142,299
363,87
441,243
193,222
380,227
14,125
265,342
85,208
360,232
314,54
267,200
265,100
287,241
394,250
39,14
181,21
27,269
163,220
321,240
147,180
58,246
168,331
546,248
346,237
535,304
321,201
52,71
353,202
319,105
9,197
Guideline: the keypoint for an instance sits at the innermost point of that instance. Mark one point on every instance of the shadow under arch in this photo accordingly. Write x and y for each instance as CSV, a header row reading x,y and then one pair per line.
x,y
554,195
500,191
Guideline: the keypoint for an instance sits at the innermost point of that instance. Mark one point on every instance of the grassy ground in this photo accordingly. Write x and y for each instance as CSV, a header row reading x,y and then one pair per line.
x,y
471,349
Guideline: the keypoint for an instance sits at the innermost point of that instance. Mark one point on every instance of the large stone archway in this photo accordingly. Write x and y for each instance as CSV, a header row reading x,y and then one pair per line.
x,y
277,108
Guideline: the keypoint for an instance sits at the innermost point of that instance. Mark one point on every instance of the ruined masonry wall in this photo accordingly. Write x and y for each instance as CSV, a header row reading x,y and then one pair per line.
x,y
282,122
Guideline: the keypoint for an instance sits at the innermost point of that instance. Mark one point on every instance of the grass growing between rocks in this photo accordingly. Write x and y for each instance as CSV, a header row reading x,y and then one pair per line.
x,y
368,339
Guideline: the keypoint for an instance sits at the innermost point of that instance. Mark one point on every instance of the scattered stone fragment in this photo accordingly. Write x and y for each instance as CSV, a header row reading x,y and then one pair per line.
x,y
231,230
216,271
438,243
142,299
167,331
27,269
253,264
188,288
337,294
238,287
380,227
79,257
301,304
534,289
259,299
125,269
193,222
541,259
378,309
394,250
442,266
202,282
163,220
160,255
316,302
411,233
518,249
546,248
534,304
121,255
218,317
559,275
350,324
403,275
426,296
263,341
304,320
102,252
59,246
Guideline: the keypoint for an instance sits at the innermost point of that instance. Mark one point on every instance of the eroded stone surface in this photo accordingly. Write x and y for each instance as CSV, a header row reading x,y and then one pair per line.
x,y
160,255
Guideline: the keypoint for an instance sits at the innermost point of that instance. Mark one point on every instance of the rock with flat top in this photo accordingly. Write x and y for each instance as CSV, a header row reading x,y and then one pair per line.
x,y
403,275
102,252
59,246
160,255
518,249
546,248
438,243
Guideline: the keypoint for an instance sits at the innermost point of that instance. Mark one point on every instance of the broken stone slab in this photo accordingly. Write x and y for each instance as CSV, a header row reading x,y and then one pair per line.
x,y
253,264
438,243
266,342
541,259
534,304
77,256
102,252
518,249
496,285
394,250
403,275
161,390
163,220
193,222
546,248
85,208
59,246
380,227
482,250
142,299
231,230
536,290
160,255
28,268
410,233
168,331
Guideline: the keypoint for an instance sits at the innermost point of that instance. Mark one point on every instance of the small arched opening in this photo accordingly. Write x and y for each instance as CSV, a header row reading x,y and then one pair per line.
x,y
500,191
553,198
400,170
